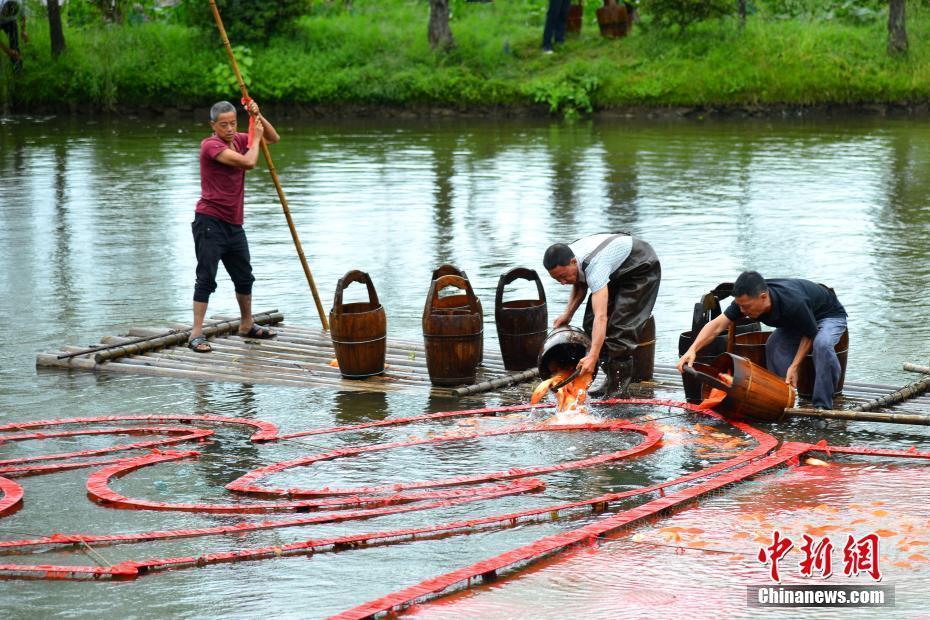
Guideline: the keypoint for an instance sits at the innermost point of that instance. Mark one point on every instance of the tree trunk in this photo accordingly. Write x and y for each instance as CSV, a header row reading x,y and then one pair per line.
x,y
897,32
56,34
741,5
440,35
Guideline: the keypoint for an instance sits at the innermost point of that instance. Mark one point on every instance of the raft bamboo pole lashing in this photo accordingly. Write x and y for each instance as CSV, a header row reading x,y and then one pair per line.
x,y
271,169
157,342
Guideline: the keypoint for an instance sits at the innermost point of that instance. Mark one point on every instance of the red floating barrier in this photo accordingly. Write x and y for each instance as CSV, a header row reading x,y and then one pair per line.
x,y
345,504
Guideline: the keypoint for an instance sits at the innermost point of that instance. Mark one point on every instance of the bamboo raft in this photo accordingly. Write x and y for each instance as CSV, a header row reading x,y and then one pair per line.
x,y
302,357
298,357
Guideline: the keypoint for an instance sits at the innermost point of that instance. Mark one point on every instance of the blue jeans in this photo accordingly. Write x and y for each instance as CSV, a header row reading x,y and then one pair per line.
x,y
783,344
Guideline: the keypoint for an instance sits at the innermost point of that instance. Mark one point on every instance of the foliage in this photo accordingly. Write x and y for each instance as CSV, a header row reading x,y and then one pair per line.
x,y
224,78
244,20
856,11
571,95
376,54
83,13
682,13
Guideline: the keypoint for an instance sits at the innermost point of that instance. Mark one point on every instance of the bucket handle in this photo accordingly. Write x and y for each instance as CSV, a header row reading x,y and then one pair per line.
x,y
447,269
354,276
447,281
706,378
518,273
705,311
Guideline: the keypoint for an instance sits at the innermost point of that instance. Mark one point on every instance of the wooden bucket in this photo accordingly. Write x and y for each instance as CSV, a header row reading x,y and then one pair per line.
x,y
752,346
706,310
521,324
806,371
562,349
574,19
613,20
754,393
358,330
704,357
453,332
645,354
451,270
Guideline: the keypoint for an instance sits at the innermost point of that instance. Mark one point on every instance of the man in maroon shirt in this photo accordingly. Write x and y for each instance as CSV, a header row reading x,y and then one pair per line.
x,y
217,225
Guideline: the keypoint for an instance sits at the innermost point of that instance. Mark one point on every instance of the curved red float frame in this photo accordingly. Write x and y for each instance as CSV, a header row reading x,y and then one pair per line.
x,y
377,500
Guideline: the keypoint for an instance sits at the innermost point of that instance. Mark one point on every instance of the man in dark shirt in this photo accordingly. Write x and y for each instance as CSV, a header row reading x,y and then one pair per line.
x,y
217,225
806,315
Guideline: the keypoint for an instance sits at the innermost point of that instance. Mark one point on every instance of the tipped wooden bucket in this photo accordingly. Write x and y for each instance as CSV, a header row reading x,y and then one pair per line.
x,y
358,330
645,354
522,323
707,309
453,332
754,393
562,349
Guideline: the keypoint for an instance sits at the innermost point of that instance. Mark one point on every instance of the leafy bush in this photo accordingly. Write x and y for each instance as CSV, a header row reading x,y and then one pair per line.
x,y
681,13
856,11
244,20
570,95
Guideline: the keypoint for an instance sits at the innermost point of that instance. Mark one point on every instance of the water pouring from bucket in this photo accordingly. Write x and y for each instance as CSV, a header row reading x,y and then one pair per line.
x,y
558,360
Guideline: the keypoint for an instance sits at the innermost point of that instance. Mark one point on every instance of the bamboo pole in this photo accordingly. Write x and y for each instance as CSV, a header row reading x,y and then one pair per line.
x,y
865,411
861,416
177,338
500,382
114,347
271,169
916,368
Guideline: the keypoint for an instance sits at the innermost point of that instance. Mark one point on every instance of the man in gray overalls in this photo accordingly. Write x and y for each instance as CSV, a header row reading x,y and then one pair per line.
x,y
623,274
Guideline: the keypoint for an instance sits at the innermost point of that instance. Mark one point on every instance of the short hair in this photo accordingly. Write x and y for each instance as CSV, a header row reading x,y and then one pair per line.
x,y
557,255
749,283
221,107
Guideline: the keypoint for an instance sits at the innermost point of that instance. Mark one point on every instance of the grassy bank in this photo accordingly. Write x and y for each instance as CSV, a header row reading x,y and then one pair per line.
x,y
377,54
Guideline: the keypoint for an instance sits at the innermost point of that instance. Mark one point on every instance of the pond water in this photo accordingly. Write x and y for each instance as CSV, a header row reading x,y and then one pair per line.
x,y
95,238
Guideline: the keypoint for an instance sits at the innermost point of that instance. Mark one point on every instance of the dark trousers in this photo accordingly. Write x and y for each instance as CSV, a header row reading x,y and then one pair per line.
x,y
215,241
556,17
631,293
12,33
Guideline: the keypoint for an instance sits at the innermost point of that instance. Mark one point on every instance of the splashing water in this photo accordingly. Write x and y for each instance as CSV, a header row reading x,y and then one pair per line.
x,y
570,398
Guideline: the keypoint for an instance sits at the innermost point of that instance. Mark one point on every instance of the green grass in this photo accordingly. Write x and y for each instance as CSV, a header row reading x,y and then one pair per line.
x,y
376,53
